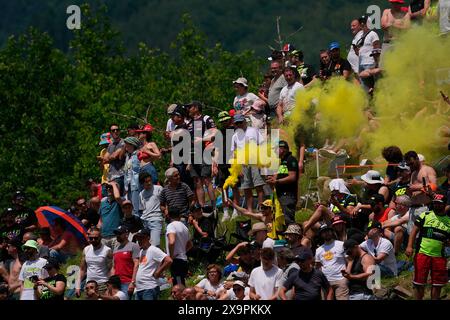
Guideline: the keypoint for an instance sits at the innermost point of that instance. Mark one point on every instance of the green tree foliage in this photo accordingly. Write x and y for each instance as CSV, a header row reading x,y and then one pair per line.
x,y
55,105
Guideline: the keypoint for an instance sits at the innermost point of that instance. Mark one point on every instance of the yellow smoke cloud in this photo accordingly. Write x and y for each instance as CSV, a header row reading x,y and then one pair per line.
x,y
407,101
262,156
409,111
332,110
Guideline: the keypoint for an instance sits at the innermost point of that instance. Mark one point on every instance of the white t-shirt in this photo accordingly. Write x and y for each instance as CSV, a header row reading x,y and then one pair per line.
x,y
182,238
265,282
149,203
332,258
149,261
205,284
96,262
31,268
366,49
121,295
245,102
352,57
241,137
384,246
287,96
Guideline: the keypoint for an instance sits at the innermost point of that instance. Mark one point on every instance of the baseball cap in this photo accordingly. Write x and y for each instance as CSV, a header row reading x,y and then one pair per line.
x,y
363,19
242,81
171,108
267,203
324,227
376,198
304,254
239,118
397,1
52,263
31,244
121,230
349,244
283,144
15,242
146,128
403,166
334,45
143,232
224,116
239,283
373,224
179,111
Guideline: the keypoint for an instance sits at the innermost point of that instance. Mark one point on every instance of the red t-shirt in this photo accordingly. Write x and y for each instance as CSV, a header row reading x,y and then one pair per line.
x,y
383,216
123,261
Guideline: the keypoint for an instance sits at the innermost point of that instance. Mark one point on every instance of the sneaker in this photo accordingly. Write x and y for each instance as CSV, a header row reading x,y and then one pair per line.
x,y
235,214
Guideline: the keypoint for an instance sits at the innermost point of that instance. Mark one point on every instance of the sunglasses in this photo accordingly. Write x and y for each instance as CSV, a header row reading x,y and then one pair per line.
x,y
93,238
238,289
115,130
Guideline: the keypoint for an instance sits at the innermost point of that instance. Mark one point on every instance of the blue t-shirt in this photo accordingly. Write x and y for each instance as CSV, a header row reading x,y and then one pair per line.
x,y
111,215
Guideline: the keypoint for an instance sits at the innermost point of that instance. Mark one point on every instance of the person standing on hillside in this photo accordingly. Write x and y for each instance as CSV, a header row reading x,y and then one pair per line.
x,y
352,57
115,157
277,83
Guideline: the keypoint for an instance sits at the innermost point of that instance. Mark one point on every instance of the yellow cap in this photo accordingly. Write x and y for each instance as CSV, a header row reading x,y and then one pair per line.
x,y
267,203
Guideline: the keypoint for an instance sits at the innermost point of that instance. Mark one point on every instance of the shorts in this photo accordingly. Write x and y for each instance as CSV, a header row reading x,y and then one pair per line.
x,y
179,271
200,170
423,264
252,177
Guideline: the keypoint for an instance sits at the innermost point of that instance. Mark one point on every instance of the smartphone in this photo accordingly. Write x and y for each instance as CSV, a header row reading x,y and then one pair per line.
x,y
34,278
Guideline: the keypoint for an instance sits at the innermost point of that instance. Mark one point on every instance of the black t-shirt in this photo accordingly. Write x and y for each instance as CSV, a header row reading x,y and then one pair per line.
x,y
134,224
14,231
416,5
306,73
25,217
399,189
197,128
207,225
337,68
288,163
308,286
47,294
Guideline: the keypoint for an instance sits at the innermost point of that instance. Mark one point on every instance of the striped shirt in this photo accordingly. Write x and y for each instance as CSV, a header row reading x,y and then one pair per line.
x,y
178,198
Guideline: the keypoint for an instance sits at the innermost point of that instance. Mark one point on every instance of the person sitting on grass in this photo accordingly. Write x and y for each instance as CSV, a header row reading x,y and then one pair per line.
x,y
211,286
266,214
239,291
295,238
265,280
395,227
245,258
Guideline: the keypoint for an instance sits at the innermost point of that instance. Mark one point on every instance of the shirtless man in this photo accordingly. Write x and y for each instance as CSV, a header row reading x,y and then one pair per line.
x,y
420,199
13,280
393,20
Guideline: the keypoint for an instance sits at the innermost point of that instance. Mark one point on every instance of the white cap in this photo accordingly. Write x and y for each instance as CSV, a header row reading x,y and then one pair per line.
x,y
242,81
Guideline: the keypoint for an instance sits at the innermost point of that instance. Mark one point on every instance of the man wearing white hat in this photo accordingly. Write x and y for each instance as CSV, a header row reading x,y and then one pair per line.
x,y
243,101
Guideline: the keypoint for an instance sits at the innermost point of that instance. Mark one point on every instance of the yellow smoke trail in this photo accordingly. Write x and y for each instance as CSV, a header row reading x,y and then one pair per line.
x,y
333,110
279,223
407,99
262,156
